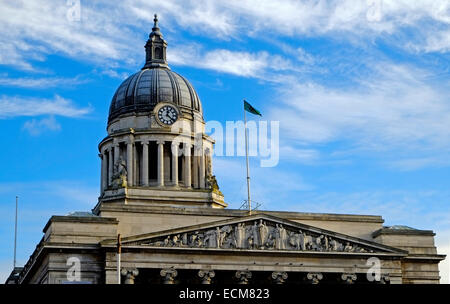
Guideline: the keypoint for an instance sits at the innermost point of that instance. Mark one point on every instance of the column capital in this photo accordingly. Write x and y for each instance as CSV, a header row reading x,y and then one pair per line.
x,y
384,279
243,276
206,276
314,277
279,277
348,278
130,275
169,275
160,141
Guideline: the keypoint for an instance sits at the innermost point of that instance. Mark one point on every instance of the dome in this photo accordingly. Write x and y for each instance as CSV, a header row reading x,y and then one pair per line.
x,y
143,90
155,83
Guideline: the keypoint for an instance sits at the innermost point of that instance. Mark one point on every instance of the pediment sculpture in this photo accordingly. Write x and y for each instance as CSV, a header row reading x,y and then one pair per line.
x,y
259,234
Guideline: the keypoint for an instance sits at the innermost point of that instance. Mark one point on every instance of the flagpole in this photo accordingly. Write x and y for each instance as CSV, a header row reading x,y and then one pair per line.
x,y
15,233
248,170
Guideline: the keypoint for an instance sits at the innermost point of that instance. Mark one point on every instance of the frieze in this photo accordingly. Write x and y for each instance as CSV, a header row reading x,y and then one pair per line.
x,y
257,235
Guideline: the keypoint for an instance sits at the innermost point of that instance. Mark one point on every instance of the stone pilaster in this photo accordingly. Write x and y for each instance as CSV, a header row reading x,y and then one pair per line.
x,y
169,275
206,276
243,276
279,277
314,277
129,274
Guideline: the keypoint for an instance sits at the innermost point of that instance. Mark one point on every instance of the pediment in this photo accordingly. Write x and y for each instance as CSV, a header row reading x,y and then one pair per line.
x,y
258,232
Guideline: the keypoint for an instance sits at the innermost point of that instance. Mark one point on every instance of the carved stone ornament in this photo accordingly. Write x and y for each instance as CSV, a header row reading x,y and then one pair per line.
x,y
314,277
259,234
169,275
279,277
119,178
348,278
129,274
243,276
206,276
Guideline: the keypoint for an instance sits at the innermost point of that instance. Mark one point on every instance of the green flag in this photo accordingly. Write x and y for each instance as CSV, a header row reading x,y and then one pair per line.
x,y
248,107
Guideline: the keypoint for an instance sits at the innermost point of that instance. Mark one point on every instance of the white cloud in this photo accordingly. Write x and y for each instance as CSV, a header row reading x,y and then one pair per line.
x,y
107,33
394,107
27,106
36,127
232,62
40,83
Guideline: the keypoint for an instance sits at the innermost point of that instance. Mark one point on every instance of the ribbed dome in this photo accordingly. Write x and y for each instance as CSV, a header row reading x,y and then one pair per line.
x,y
153,84
143,90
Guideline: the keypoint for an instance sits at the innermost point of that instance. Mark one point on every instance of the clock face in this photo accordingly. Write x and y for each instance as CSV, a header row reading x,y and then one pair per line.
x,y
167,115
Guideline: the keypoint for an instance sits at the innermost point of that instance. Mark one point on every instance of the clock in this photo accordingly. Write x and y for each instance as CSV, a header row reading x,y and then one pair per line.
x,y
167,115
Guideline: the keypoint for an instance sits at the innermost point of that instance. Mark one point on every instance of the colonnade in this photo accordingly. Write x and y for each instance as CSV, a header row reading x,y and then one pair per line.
x,y
155,163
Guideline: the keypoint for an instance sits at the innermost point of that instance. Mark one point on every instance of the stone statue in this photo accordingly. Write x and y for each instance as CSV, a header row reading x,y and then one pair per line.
x,y
211,238
262,229
212,184
239,235
281,237
120,174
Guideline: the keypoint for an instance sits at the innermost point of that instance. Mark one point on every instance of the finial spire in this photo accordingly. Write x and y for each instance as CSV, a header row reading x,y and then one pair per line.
x,y
155,25
155,48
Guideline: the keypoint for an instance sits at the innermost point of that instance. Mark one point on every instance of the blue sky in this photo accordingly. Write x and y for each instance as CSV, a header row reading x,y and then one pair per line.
x,y
361,90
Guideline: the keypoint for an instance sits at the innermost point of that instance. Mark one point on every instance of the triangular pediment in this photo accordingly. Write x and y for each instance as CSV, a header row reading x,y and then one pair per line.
x,y
258,232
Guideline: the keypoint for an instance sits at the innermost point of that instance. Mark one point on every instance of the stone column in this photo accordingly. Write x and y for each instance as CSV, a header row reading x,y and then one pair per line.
x,y
130,169
169,275
175,163
110,166
135,165
348,278
129,274
187,165
279,277
243,276
116,155
314,277
195,181
145,163
201,169
160,171
206,276
104,180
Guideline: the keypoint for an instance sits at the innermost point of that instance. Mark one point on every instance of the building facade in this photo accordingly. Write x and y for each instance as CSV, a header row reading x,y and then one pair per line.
x,y
158,192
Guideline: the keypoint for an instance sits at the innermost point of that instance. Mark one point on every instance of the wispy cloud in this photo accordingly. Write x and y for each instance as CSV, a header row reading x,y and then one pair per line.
x,y
36,127
244,64
40,83
396,106
27,106
30,30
